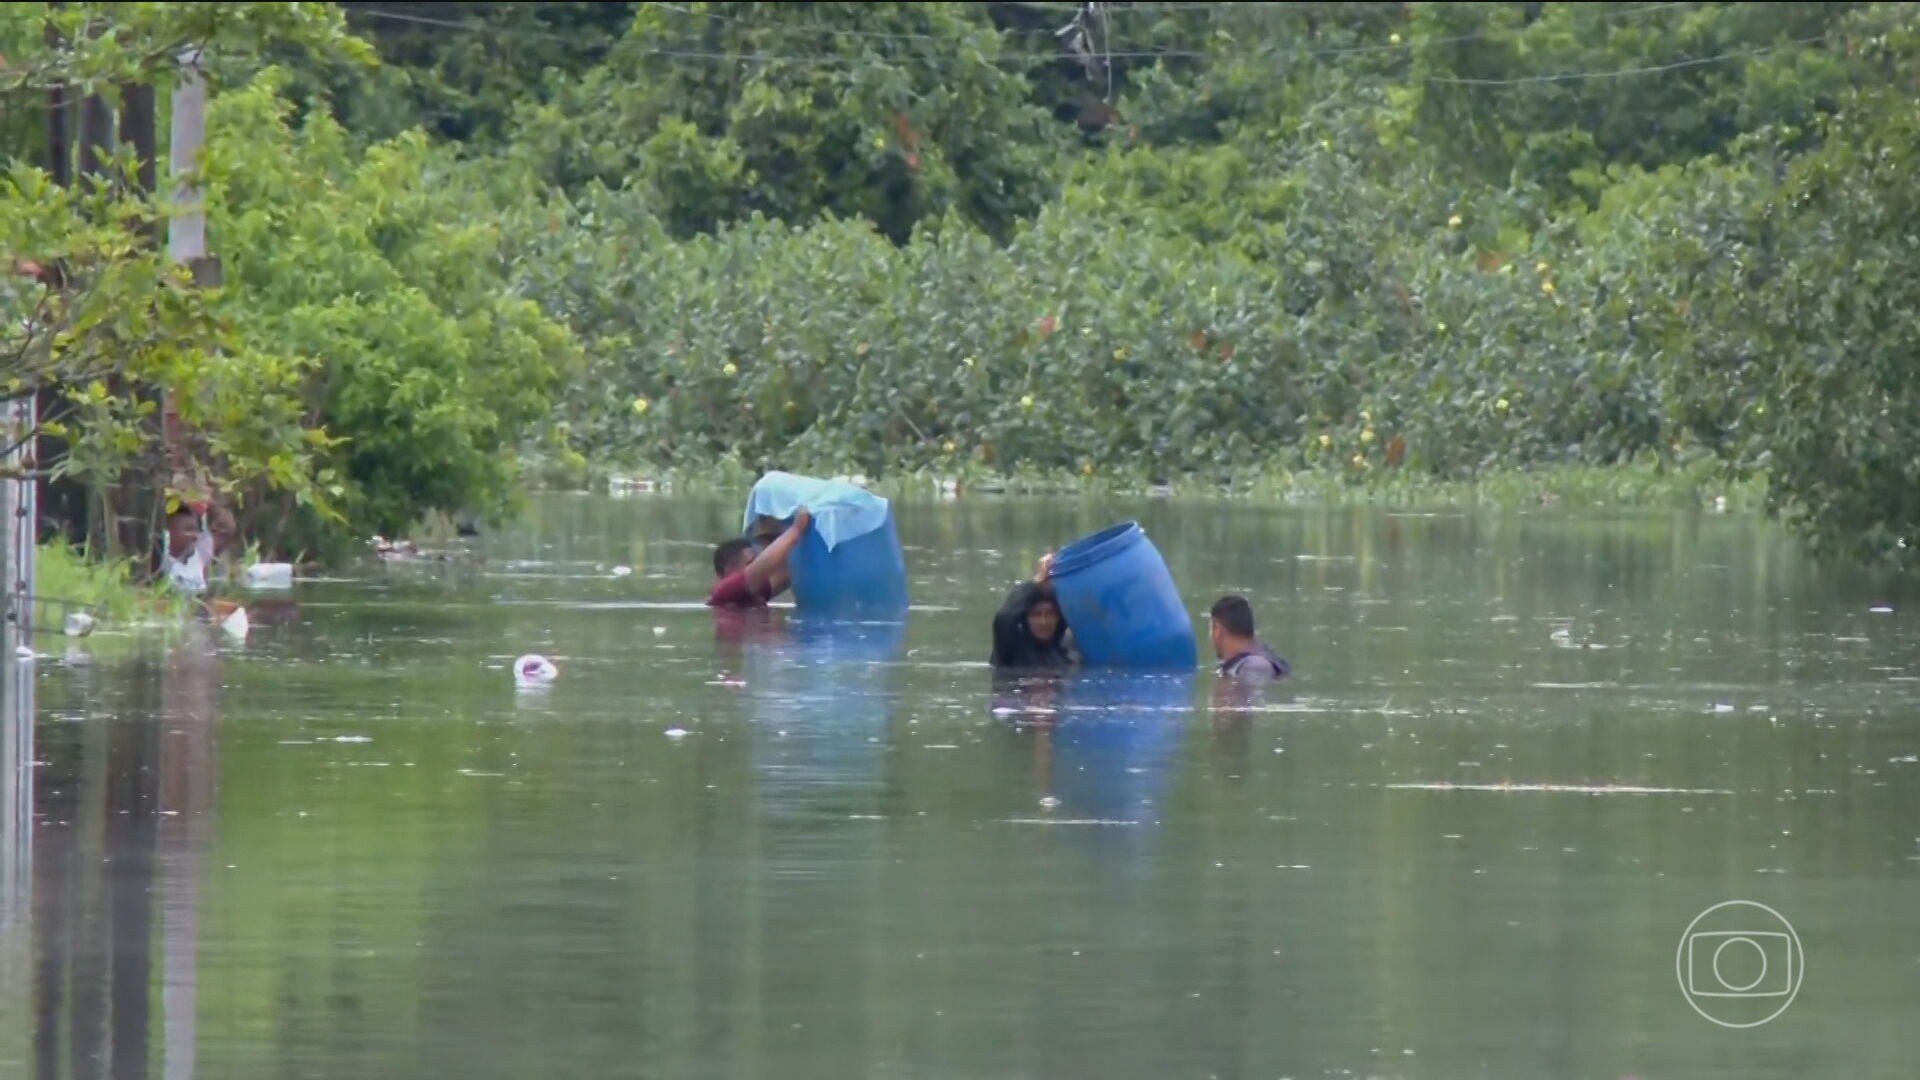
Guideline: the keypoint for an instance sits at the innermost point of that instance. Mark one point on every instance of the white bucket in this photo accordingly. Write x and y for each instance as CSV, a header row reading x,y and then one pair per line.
x,y
270,575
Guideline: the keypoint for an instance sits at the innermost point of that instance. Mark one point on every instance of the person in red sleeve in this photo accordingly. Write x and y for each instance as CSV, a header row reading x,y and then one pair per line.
x,y
747,580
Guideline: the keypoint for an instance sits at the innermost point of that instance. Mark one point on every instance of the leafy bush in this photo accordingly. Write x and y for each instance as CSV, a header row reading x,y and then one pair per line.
x,y
383,271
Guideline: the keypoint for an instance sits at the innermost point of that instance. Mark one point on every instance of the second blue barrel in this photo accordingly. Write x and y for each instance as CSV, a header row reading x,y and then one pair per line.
x,y
1121,602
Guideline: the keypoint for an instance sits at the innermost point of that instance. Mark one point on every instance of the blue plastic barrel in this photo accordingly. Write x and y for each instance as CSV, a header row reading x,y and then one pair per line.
x,y
865,577
1121,603
850,564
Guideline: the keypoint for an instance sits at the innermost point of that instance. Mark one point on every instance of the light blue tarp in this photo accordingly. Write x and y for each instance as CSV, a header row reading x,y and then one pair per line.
x,y
841,511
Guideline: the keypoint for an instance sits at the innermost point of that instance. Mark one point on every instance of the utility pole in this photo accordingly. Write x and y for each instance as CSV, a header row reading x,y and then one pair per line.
x,y
187,228
20,522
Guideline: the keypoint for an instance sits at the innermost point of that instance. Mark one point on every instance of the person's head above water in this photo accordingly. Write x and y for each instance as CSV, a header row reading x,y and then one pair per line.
x,y
1231,626
732,555
1240,650
183,532
749,575
1030,630
1043,617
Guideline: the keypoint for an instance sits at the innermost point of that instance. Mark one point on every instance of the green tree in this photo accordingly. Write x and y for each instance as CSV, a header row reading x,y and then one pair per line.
x,y
384,270
892,112
1794,314
98,327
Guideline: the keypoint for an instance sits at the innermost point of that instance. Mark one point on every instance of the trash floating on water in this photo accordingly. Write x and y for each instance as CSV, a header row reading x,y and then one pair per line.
x,y
1049,803
79,624
623,571
1578,789
353,738
676,733
235,624
1880,610
276,575
534,670
659,631
638,485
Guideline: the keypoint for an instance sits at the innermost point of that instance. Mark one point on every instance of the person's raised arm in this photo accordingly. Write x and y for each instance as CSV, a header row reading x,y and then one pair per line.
x,y
226,533
769,567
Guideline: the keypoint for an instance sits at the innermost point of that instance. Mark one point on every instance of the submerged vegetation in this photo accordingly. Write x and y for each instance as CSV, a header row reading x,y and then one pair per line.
x,y
109,592
1627,251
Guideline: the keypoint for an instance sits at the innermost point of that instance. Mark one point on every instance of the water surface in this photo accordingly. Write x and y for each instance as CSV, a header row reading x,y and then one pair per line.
x,y
1522,752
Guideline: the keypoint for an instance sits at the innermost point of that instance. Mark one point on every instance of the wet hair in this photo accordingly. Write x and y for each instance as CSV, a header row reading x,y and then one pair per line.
x,y
1234,615
1013,642
727,552
766,529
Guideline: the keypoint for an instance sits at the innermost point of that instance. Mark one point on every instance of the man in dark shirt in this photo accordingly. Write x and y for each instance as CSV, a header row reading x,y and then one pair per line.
x,y
1242,656
746,580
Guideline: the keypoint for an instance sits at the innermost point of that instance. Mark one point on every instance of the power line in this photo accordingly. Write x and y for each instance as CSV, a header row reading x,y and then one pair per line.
x,y
697,54
1140,50
884,35
834,60
1460,39
1575,76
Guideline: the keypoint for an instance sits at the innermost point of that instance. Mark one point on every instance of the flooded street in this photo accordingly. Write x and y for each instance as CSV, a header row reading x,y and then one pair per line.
x,y
1519,755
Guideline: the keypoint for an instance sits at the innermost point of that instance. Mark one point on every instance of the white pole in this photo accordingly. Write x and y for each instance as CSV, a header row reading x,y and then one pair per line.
x,y
187,756
16,805
19,518
187,229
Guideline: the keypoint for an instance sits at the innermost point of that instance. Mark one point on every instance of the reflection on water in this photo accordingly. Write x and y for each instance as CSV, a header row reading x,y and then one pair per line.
x,y
1104,742
822,694
16,855
1520,755
120,815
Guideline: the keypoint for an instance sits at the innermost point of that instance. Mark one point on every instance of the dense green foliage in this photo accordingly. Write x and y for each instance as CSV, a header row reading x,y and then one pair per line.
x,y
366,261
364,361
1178,242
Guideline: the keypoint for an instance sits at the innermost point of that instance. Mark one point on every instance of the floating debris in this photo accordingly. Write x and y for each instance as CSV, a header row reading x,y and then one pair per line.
x,y
1575,789
269,576
534,670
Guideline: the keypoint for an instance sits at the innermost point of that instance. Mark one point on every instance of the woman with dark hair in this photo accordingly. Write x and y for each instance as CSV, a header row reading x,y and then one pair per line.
x,y
1029,630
